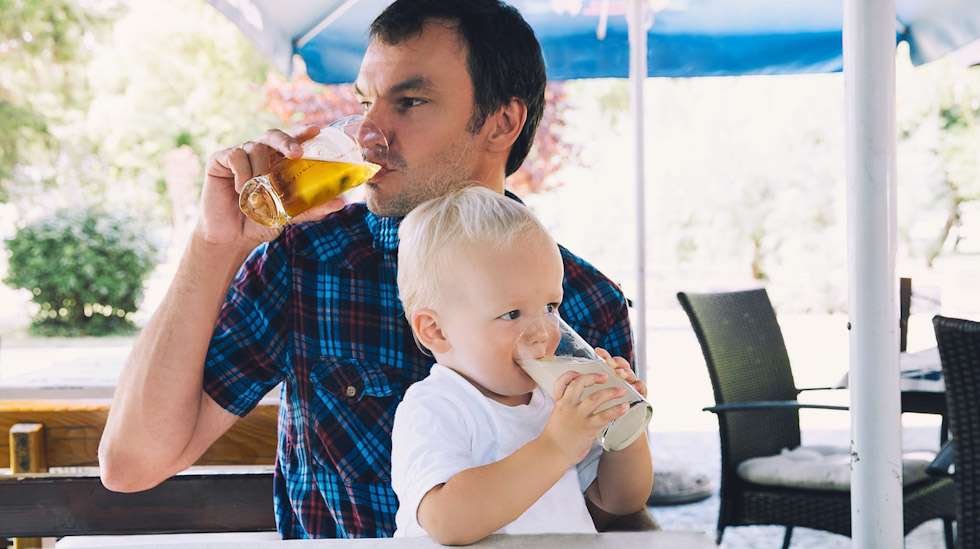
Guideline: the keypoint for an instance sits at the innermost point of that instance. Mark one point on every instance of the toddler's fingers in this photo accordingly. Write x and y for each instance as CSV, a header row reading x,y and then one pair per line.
x,y
578,385
604,355
561,384
607,416
620,362
598,398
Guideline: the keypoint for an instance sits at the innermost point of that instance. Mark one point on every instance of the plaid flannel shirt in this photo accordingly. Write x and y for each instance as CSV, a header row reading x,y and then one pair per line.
x,y
318,309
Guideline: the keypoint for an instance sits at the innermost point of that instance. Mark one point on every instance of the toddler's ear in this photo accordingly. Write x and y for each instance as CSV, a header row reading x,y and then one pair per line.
x,y
425,324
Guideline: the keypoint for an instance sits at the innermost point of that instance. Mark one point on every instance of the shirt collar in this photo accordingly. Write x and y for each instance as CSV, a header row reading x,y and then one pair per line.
x,y
384,230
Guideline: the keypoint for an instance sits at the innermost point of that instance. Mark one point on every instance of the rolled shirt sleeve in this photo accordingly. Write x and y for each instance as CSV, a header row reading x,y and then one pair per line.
x,y
249,352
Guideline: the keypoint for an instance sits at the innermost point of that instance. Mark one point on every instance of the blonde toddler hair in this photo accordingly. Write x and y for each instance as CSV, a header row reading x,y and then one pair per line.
x,y
433,232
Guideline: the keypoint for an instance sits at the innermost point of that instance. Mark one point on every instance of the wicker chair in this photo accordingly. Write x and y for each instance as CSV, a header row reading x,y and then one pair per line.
x,y
758,415
959,351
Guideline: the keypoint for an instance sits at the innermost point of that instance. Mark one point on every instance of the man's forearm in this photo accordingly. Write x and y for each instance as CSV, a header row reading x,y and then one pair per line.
x,y
624,479
479,501
158,396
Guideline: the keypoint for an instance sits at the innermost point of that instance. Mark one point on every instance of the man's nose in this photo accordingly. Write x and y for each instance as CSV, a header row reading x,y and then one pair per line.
x,y
373,140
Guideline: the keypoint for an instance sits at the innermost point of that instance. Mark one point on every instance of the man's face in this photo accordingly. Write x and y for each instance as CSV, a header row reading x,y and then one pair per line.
x,y
493,296
420,94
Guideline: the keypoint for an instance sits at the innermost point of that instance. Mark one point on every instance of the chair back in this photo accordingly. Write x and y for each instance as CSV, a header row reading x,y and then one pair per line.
x,y
746,356
959,351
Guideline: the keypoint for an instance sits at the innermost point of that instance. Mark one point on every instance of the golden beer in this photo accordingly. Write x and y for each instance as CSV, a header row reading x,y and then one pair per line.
x,y
296,185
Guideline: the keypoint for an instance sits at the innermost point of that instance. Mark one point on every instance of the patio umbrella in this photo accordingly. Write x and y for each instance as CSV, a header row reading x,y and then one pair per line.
x,y
589,38
608,38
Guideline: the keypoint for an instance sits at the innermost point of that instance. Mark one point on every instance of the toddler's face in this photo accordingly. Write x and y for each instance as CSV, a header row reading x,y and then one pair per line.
x,y
493,296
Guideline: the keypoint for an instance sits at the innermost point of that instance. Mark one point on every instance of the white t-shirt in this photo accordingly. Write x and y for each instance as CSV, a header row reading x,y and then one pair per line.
x,y
445,425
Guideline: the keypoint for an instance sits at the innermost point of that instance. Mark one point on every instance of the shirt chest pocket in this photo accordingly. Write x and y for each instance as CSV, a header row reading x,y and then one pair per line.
x,y
352,416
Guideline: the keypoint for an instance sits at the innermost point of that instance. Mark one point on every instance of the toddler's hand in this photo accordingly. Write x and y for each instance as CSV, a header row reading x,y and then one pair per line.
x,y
574,423
622,368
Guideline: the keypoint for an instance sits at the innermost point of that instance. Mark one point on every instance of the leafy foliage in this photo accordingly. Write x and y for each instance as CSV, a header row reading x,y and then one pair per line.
x,y
299,100
85,270
42,60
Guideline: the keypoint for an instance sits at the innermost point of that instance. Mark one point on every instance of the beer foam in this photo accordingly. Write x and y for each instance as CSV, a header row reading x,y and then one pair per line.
x,y
333,145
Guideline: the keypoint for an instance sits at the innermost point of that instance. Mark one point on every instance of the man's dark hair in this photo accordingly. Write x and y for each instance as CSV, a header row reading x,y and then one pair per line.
x,y
503,56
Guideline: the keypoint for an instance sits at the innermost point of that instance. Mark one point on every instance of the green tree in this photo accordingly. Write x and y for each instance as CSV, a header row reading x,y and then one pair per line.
x,y
169,76
939,158
43,48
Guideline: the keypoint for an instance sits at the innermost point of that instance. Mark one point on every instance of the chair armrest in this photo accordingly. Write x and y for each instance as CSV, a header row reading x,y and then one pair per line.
x,y
769,405
801,389
940,467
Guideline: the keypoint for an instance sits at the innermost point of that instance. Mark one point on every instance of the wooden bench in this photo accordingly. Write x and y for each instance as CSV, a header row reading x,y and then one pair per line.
x,y
228,490
216,495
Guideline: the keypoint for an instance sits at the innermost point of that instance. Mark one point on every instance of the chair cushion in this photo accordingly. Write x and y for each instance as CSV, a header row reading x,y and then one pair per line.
x,y
822,468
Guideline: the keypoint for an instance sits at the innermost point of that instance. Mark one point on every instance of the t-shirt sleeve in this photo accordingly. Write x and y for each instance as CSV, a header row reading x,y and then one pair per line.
x,y
588,468
430,443
248,353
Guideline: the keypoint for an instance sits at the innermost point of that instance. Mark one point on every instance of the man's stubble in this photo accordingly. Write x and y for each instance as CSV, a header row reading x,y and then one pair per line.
x,y
425,183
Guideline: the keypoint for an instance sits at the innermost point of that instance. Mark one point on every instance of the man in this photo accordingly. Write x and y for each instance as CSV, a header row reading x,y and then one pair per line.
x,y
458,89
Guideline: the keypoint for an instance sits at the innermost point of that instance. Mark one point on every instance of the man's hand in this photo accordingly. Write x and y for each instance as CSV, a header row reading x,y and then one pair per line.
x,y
574,423
228,170
622,368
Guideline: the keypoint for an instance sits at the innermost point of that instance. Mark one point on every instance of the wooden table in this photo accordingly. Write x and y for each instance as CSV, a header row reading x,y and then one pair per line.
x,y
611,540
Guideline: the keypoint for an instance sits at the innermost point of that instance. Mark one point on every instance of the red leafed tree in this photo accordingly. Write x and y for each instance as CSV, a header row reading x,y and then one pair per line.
x,y
299,100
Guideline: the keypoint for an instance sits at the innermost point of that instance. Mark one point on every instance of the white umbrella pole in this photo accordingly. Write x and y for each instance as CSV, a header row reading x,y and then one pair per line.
x,y
636,19
876,436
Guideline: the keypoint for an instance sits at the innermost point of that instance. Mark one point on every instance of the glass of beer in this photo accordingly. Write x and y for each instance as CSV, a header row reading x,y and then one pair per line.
x,y
548,348
342,156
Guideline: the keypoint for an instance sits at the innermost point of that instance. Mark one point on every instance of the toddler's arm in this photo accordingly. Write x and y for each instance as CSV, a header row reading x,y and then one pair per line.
x,y
478,501
624,479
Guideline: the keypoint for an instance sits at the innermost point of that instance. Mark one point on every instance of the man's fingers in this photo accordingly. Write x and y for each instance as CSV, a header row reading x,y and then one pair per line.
x,y
261,157
305,133
283,143
237,161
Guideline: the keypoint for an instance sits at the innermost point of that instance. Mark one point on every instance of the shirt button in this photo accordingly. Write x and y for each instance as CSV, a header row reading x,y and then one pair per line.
x,y
351,391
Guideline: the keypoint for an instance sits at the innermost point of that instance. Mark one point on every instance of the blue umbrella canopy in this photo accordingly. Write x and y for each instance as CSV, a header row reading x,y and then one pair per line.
x,y
588,38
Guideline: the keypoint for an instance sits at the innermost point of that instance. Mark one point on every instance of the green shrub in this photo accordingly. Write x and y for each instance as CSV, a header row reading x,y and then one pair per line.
x,y
85,270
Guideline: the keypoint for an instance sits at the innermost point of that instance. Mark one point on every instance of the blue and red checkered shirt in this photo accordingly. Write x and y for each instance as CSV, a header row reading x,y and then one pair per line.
x,y
318,309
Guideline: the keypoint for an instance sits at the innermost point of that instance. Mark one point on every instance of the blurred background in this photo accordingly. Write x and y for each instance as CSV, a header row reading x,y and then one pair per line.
x,y
109,110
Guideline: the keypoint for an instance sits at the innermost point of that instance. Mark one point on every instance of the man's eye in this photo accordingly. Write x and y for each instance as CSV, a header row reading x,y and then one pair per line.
x,y
511,315
408,102
366,105
552,307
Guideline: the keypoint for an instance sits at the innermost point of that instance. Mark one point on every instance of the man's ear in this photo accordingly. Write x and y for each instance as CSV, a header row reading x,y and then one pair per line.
x,y
425,325
506,124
